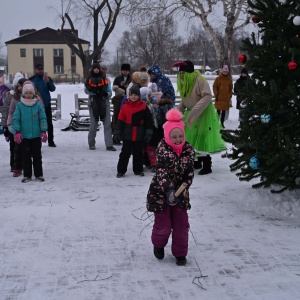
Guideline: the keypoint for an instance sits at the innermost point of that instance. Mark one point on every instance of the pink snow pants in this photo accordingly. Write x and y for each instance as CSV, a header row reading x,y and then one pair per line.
x,y
172,219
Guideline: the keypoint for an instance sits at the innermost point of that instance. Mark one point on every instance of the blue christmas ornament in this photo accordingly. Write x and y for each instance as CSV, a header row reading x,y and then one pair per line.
x,y
254,162
265,119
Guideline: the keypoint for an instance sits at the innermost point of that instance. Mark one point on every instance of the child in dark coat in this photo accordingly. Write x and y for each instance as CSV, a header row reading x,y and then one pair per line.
x,y
134,127
240,90
174,166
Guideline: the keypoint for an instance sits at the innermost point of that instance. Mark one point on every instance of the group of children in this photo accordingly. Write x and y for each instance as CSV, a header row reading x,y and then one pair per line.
x,y
25,128
155,107
145,121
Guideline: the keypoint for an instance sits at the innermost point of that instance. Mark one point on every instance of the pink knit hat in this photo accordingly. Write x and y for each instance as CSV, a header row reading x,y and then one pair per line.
x,y
174,120
28,87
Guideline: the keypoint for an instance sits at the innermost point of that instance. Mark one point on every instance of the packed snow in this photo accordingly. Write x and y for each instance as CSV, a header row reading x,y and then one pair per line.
x,y
84,234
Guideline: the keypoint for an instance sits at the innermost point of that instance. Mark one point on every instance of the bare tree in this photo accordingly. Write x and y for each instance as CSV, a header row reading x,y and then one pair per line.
x,y
144,46
199,47
230,15
95,13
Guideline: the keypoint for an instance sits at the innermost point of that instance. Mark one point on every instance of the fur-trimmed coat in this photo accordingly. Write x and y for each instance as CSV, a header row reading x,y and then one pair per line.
x,y
171,171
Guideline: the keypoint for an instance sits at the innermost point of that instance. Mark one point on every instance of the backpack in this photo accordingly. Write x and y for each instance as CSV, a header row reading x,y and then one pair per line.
x,y
3,90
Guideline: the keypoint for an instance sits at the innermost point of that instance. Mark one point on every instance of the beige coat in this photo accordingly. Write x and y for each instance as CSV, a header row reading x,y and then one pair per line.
x,y
198,100
223,91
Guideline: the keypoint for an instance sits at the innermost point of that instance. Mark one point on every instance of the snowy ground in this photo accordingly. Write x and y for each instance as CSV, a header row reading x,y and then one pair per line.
x,y
83,234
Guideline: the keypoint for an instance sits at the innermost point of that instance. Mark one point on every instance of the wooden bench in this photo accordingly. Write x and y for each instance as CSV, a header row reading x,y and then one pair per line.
x,y
56,107
82,109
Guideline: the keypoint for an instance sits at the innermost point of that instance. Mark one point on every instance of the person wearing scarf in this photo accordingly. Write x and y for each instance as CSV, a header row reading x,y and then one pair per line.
x,y
30,125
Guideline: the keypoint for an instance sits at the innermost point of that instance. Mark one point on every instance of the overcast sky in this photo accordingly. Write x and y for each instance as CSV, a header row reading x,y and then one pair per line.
x,y
36,14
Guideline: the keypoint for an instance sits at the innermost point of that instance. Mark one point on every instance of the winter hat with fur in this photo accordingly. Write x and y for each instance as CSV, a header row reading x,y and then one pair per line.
x,y
143,69
143,78
125,67
16,79
174,120
28,87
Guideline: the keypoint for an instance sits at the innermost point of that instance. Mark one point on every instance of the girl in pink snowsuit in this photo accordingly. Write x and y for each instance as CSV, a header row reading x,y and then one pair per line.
x,y
174,166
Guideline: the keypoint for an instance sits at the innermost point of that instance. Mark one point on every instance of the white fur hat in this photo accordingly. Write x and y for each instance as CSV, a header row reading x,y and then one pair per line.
x,y
16,79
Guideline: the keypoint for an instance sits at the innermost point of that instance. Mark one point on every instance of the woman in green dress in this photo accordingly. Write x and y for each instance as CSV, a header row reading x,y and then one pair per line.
x,y
202,124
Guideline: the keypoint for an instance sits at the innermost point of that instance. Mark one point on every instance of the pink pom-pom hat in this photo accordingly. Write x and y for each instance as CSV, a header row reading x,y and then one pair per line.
x,y
174,120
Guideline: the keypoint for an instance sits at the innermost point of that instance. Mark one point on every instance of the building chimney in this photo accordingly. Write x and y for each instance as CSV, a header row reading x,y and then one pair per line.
x,y
26,31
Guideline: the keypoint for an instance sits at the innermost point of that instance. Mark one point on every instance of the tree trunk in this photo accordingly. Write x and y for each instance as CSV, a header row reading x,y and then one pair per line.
x,y
215,40
228,37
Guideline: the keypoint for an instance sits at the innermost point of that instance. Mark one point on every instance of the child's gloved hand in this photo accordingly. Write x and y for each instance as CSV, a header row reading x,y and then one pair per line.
x,y
5,131
44,137
171,198
18,137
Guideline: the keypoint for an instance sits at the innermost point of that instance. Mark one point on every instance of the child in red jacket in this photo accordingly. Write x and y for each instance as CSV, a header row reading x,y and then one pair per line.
x,y
134,127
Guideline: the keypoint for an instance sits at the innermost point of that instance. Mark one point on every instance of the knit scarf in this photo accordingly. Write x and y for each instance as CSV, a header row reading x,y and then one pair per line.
x,y
28,102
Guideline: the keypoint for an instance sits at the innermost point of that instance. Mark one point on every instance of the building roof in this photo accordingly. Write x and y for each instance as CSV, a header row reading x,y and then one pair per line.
x,y
43,36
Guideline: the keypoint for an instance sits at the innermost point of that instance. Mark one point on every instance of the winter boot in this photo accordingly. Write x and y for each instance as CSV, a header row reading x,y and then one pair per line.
x,y
206,166
40,178
198,163
159,253
26,179
181,261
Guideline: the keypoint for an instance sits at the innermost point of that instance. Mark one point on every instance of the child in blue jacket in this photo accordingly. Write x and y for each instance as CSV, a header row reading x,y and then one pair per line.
x,y
30,124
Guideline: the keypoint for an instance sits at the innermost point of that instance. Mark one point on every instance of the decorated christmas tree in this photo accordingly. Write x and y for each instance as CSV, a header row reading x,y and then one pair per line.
x,y
267,144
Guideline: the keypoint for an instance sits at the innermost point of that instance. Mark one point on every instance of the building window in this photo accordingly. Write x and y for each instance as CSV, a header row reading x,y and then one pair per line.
x,y
23,52
58,52
58,69
38,52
